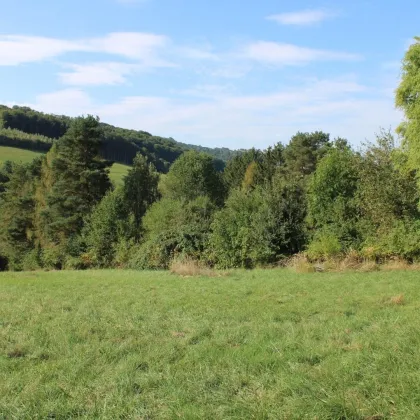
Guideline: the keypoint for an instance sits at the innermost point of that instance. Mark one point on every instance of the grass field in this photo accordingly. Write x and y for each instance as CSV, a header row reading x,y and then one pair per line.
x,y
117,172
252,345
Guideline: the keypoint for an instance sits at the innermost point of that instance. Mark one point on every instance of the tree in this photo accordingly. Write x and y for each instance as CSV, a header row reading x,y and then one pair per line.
x,y
235,170
259,226
387,191
140,190
80,180
17,213
408,100
193,175
304,151
332,209
108,224
5,170
173,228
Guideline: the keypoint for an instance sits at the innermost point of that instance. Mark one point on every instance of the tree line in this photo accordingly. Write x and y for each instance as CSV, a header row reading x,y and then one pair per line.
x,y
25,128
315,195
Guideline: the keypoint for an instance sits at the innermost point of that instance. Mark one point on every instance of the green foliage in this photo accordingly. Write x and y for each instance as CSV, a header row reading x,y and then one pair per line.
x,y
325,245
17,208
235,170
107,225
193,175
140,190
408,100
28,129
79,180
304,151
401,241
259,226
25,141
332,207
174,228
34,122
386,191
237,239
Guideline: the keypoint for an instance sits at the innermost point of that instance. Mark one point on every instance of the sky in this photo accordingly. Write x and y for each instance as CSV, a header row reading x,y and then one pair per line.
x,y
219,73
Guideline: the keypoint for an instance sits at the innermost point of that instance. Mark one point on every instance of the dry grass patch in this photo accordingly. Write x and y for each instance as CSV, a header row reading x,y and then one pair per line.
x,y
397,300
193,268
397,264
301,264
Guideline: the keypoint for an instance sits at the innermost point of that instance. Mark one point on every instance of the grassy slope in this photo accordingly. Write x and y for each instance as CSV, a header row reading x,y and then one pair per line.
x,y
20,155
257,344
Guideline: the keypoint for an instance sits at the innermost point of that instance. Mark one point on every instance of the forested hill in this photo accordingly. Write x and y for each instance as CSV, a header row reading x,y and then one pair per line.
x,y
26,128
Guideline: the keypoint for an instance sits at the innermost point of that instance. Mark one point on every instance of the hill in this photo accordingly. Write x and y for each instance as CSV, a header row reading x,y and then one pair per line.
x,y
14,154
32,130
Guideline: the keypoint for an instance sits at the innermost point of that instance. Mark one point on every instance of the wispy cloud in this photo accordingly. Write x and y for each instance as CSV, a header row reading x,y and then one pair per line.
x,y
109,73
302,18
289,54
17,49
340,106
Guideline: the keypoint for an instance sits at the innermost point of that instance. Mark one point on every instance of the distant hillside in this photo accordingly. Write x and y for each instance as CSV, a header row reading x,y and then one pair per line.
x,y
28,129
19,155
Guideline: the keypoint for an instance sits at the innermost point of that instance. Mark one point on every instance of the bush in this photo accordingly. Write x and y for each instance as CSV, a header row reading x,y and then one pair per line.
x,y
259,226
108,224
31,261
193,175
401,241
324,246
174,228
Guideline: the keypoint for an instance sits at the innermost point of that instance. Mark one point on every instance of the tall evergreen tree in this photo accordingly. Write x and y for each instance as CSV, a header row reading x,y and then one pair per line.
x,y
81,179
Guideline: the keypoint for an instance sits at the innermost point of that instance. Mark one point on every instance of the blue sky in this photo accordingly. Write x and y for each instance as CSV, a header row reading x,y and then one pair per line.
x,y
217,73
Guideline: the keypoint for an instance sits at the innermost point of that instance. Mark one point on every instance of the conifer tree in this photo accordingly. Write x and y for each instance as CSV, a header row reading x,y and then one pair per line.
x,y
80,180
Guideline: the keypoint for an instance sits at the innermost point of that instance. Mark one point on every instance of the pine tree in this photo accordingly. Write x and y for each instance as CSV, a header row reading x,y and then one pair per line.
x,y
80,180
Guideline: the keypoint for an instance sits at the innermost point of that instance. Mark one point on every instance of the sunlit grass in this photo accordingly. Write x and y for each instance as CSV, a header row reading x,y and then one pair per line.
x,y
255,344
14,154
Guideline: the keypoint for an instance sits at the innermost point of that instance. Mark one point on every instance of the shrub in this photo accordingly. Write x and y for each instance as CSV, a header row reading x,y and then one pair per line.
x,y
259,226
325,245
174,228
108,224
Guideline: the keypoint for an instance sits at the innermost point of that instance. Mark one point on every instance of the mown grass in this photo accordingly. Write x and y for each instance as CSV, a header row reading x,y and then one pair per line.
x,y
117,172
16,155
252,345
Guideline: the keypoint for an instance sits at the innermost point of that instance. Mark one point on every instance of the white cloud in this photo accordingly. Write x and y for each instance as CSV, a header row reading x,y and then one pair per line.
x,y
17,49
304,17
134,45
70,102
95,74
289,54
218,117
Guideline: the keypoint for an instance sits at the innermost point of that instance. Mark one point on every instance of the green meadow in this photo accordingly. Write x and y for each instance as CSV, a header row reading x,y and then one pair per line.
x,y
263,344
117,172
